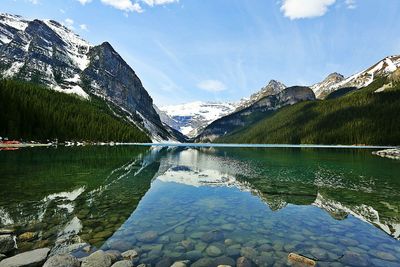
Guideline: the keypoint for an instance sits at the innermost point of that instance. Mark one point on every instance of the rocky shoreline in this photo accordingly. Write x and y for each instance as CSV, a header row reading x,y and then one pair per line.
x,y
393,153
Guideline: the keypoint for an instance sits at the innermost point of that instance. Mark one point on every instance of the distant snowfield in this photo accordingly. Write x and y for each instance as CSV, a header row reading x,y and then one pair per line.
x,y
191,117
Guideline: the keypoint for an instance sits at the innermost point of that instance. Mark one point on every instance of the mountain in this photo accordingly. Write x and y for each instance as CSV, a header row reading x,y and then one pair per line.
x,y
359,80
323,88
272,88
191,118
46,52
366,116
242,118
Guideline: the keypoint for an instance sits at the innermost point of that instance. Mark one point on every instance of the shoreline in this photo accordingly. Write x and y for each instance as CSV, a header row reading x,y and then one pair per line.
x,y
69,144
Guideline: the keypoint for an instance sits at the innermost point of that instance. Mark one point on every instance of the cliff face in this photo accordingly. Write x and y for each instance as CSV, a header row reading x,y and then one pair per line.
x,y
254,112
46,52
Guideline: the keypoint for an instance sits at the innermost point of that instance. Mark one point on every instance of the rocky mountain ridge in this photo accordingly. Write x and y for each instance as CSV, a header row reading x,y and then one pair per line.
x,y
46,52
243,117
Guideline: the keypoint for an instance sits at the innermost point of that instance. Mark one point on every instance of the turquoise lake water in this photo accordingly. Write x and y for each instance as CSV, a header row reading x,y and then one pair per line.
x,y
208,205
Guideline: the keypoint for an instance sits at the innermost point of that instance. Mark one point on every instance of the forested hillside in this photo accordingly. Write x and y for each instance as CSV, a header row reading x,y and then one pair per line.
x,y
359,117
34,112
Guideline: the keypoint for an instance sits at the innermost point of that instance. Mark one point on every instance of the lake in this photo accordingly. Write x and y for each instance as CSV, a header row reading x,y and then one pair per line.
x,y
209,205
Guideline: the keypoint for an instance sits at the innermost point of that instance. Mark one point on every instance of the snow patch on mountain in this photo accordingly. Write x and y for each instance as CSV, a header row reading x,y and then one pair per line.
x,y
190,118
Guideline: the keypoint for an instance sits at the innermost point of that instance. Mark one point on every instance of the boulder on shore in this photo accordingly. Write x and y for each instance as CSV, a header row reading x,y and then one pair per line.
x,y
27,259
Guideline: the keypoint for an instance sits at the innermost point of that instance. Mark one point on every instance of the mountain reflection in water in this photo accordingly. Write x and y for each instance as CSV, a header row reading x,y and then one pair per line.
x,y
333,205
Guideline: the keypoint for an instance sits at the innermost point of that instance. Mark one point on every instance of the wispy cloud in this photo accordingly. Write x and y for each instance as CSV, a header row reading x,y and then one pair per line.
x,y
159,2
212,85
84,2
69,23
351,4
35,2
299,9
124,5
83,27
130,5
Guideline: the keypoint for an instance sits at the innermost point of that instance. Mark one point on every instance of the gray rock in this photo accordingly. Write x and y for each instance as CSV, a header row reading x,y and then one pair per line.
x,y
248,252
148,236
2,257
114,254
213,251
97,259
193,255
353,258
7,243
130,254
124,263
62,261
27,259
203,262
224,260
243,262
165,262
61,249
179,264
212,236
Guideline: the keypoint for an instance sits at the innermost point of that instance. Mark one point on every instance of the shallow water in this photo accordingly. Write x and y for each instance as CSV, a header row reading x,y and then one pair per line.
x,y
208,205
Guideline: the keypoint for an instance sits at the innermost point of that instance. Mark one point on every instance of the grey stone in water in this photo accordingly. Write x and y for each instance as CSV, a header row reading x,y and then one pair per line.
x,y
233,252
31,258
385,256
213,251
7,243
193,255
165,262
164,239
130,254
177,237
62,261
203,262
60,249
148,236
248,252
224,260
97,259
353,258
212,236
123,263
243,262
114,254
179,264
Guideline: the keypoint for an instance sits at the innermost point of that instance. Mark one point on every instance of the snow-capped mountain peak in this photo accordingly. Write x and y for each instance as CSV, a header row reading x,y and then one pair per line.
x,y
361,79
190,118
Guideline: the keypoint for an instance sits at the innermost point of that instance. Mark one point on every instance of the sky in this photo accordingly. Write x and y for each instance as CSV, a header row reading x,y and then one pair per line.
x,y
224,50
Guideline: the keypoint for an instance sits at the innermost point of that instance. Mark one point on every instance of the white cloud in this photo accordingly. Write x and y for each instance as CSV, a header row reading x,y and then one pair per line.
x,y
298,9
35,2
159,2
83,27
351,4
124,5
212,85
69,23
84,2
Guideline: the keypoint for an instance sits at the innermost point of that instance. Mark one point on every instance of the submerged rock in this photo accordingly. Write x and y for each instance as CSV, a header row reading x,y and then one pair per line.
x,y
203,262
31,258
7,243
212,236
123,263
148,236
213,251
353,258
243,262
62,261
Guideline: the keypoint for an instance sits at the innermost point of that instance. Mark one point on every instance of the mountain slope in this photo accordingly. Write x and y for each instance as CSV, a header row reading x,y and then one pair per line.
x,y
362,79
32,112
48,53
251,114
366,116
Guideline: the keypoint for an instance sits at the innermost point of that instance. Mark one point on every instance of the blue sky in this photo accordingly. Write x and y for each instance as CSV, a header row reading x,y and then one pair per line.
x,y
223,50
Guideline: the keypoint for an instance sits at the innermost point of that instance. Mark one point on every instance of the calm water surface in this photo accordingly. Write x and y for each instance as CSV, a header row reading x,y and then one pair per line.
x,y
207,205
